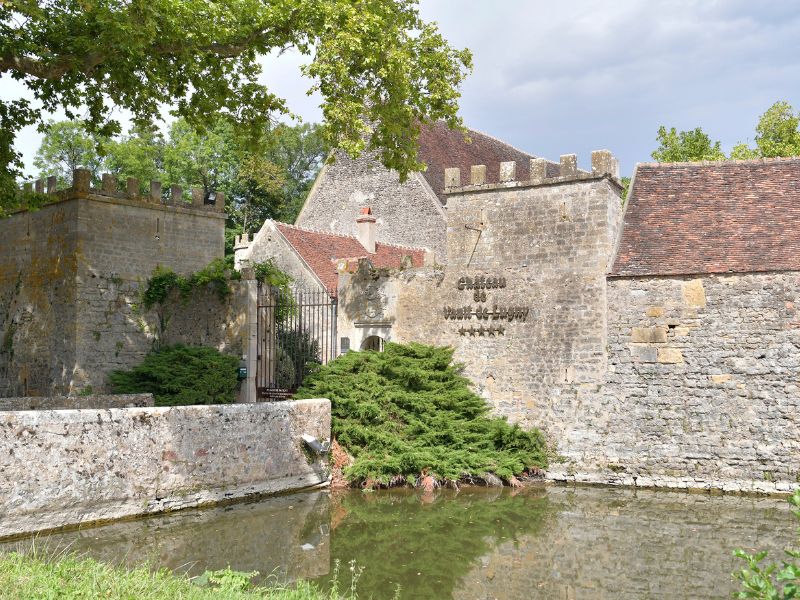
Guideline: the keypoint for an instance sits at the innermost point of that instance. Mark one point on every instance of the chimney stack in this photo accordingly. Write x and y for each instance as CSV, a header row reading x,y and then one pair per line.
x,y
366,229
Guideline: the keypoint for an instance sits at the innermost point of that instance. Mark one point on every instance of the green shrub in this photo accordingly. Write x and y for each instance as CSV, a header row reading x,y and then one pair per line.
x,y
181,375
163,281
771,581
407,412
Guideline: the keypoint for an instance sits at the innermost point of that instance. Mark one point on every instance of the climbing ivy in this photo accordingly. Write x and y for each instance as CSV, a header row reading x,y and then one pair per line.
x,y
163,281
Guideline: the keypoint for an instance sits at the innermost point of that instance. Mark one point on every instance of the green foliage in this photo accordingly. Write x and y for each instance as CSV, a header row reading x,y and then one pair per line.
x,y
163,281
181,375
375,59
771,581
675,146
408,412
777,133
140,154
30,576
298,355
67,146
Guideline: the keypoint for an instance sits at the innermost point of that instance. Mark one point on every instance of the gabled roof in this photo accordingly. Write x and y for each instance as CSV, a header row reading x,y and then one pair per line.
x,y
441,148
712,217
322,252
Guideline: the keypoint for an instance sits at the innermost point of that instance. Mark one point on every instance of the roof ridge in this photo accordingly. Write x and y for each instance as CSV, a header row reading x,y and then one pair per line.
x,y
402,246
316,230
727,161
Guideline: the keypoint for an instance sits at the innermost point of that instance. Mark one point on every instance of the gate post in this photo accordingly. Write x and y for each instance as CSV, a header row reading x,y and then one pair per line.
x,y
247,392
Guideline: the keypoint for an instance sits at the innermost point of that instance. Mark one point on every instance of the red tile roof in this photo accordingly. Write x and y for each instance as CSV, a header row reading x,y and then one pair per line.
x,y
441,148
715,217
322,251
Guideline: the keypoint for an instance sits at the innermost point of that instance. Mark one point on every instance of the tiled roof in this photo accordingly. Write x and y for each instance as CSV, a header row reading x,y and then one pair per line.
x,y
712,217
441,148
322,251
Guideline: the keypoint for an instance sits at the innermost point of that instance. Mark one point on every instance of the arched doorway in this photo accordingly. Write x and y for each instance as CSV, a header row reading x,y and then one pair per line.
x,y
373,342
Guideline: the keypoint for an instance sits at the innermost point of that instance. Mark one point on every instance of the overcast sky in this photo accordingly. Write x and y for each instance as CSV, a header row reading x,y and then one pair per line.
x,y
568,77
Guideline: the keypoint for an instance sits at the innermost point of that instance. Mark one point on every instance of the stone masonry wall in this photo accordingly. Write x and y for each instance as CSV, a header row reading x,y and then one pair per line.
x,y
542,251
78,466
76,402
703,387
408,213
38,266
71,277
684,382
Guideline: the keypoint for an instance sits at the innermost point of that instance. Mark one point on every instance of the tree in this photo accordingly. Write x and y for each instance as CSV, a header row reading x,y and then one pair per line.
x,y
65,147
777,133
372,61
674,146
140,154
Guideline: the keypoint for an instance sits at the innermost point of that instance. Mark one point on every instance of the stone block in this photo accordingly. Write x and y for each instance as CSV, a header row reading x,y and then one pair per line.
x,y
655,311
538,170
477,175
569,165
508,171
694,294
109,183
720,379
604,163
452,178
649,335
643,353
670,355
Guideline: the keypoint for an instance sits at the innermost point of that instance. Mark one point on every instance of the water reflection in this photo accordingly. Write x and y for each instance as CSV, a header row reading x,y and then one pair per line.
x,y
552,542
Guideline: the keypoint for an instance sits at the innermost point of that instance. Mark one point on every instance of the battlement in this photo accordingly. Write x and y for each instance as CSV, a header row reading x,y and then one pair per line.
x,y
110,188
603,165
240,242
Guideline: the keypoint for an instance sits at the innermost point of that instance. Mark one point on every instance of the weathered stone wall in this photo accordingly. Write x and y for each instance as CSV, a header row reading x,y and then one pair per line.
x,y
703,387
76,402
687,382
542,251
79,466
38,267
71,276
407,213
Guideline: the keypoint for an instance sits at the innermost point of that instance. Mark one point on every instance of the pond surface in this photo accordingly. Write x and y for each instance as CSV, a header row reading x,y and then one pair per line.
x,y
541,542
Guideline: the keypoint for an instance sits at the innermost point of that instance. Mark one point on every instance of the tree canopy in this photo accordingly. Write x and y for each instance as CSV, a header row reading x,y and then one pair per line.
x,y
777,135
372,61
675,146
270,181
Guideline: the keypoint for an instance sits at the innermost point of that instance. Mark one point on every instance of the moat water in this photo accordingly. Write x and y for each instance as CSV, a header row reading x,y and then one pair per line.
x,y
540,542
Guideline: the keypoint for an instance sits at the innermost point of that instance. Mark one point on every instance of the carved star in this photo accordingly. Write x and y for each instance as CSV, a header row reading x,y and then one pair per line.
x,y
462,331
501,330
481,331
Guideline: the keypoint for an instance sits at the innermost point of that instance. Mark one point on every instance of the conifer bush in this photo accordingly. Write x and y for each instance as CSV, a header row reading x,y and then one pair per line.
x,y
181,375
407,412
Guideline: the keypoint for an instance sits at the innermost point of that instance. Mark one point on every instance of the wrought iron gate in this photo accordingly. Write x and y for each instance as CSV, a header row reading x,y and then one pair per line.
x,y
296,331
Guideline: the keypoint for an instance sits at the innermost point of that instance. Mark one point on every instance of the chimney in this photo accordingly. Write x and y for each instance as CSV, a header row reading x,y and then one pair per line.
x,y
366,229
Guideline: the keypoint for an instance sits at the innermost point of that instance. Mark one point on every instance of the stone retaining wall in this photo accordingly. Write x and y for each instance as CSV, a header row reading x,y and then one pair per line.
x,y
71,467
76,402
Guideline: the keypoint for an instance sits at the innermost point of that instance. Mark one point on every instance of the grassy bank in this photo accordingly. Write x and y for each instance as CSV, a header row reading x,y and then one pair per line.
x,y
29,576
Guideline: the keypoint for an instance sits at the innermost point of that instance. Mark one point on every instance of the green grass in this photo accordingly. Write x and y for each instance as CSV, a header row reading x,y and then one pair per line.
x,y
408,413
31,576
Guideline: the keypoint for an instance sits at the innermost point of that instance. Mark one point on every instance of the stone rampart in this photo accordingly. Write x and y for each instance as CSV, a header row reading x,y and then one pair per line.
x,y
71,276
702,390
680,382
80,466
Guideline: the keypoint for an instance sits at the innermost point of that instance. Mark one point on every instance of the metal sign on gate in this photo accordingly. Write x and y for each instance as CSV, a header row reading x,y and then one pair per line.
x,y
296,333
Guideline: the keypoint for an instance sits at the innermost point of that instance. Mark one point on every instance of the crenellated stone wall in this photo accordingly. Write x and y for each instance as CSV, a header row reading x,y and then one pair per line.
x,y
71,276
681,382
